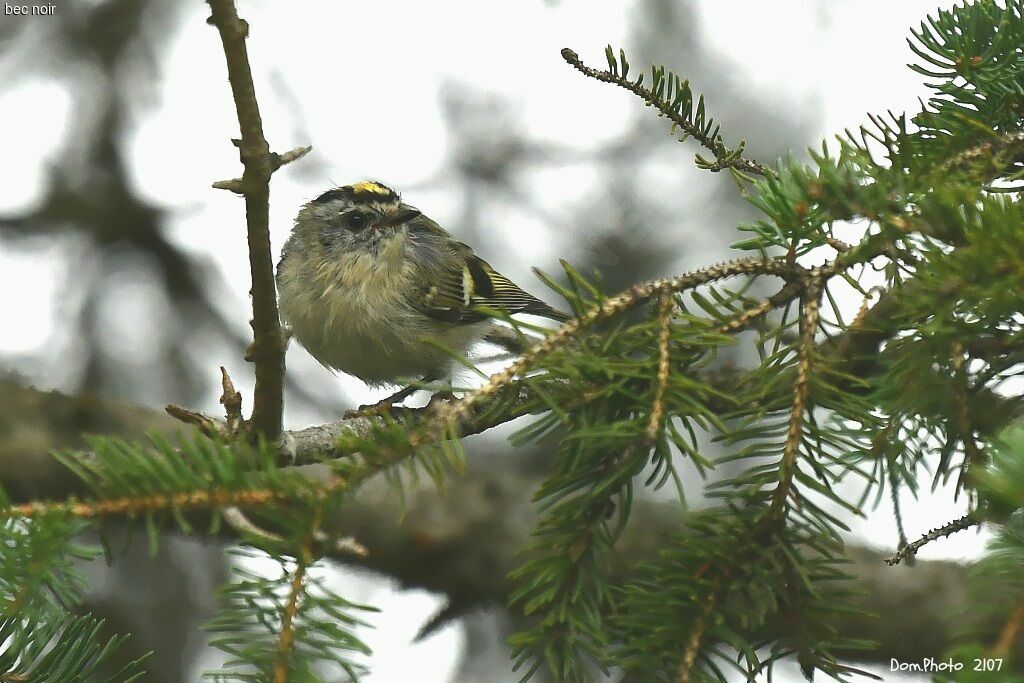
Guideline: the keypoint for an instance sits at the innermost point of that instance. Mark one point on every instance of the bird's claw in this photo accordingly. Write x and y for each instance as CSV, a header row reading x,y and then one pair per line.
x,y
440,397
385,408
389,407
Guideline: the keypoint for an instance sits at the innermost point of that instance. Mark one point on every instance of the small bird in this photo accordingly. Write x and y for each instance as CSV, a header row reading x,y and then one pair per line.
x,y
372,287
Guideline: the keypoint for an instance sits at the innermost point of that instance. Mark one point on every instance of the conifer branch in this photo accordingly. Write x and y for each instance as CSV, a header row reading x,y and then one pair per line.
x,y
1011,144
712,141
1008,634
137,505
739,323
399,549
453,413
693,642
972,453
286,639
801,390
965,522
185,500
665,305
879,448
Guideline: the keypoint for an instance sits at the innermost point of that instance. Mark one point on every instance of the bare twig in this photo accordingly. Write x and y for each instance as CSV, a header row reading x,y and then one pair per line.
x,y
292,155
232,402
235,184
204,423
879,449
259,163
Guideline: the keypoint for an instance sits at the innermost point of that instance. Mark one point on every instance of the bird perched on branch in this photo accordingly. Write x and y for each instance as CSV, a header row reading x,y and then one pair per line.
x,y
372,287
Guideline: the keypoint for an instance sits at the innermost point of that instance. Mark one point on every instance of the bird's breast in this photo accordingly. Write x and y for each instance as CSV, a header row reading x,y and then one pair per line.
x,y
353,313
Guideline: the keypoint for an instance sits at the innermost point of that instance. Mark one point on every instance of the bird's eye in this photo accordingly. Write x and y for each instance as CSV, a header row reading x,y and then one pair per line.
x,y
355,220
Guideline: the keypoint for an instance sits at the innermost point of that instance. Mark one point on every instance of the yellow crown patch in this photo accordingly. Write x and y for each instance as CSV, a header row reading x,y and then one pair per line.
x,y
370,186
361,193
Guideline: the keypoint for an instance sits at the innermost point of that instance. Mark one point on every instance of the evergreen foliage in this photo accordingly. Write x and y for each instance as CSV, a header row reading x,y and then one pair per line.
x,y
256,611
913,390
41,637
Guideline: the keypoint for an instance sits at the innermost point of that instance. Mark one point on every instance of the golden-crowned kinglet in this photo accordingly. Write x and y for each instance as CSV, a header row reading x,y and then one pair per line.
x,y
366,280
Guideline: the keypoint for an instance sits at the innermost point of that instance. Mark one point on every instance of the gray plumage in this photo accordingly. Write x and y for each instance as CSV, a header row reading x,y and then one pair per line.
x,y
366,283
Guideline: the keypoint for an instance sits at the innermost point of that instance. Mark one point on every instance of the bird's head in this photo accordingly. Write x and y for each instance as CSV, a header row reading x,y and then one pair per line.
x,y
355,217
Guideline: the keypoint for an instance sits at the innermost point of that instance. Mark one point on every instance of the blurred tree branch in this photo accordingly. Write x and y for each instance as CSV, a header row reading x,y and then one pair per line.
x,y
463,543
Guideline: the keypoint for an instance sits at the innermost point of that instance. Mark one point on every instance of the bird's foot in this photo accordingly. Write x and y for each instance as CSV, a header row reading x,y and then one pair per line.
x,y
439,398
386,408
389,407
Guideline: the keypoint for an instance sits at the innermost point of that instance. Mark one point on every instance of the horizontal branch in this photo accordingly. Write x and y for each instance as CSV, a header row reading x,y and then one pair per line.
x,y
458,411
463,543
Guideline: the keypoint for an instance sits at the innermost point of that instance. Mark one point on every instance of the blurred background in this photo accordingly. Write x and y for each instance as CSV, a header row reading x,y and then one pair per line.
x,y
123,275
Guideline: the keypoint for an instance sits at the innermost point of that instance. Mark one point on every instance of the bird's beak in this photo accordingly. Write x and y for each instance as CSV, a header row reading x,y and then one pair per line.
x,y
398,218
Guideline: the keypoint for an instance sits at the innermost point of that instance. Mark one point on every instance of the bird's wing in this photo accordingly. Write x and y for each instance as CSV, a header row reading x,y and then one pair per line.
x,y
463,294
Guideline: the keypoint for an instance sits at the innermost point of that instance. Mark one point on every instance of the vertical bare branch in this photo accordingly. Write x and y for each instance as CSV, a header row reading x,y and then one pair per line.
x,y
267,351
